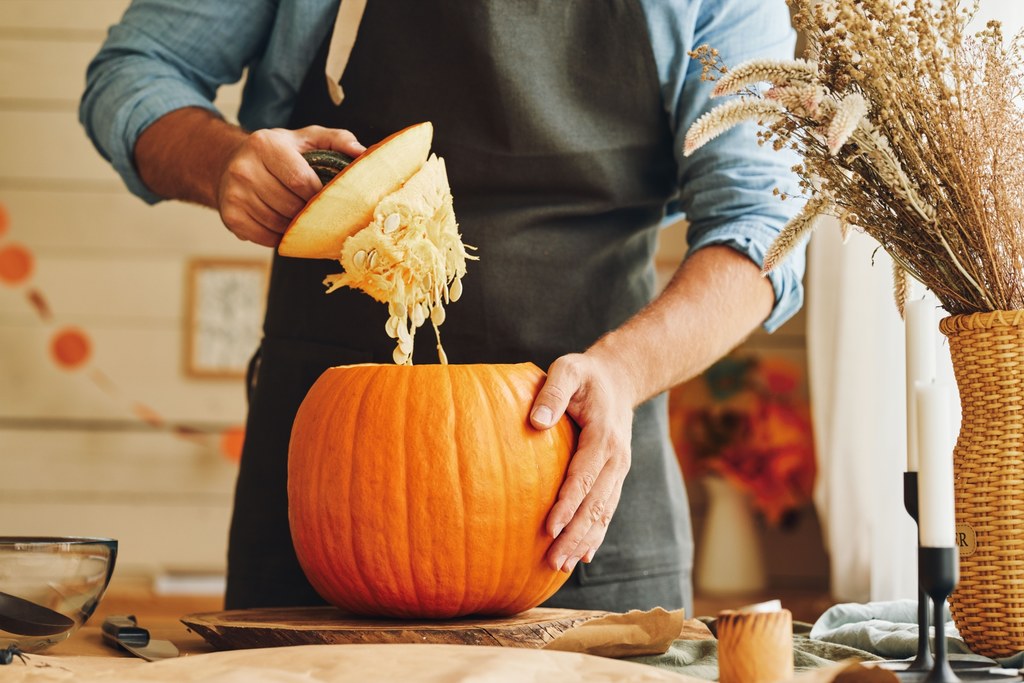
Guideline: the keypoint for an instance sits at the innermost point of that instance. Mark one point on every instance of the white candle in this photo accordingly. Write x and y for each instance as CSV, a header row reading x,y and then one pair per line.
x,y
920,350
936,515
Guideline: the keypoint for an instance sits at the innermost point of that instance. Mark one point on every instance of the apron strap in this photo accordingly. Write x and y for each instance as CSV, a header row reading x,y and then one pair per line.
x,y
343,38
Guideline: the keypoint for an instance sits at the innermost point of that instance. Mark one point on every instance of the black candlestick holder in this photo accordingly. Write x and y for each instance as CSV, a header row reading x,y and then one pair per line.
x,y
938,570
926,668
924,660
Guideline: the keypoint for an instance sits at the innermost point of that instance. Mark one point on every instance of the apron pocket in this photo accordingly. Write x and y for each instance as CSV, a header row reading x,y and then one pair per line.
x,y
618,569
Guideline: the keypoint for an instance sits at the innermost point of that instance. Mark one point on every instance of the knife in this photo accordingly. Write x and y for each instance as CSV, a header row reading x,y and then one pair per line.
x,y
125,632
326,163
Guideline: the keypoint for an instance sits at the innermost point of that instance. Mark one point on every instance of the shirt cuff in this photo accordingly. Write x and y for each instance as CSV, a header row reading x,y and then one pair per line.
x,y
752,240
136,118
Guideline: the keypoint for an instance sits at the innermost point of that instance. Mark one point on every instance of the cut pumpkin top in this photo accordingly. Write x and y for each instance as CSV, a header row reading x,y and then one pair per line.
x,y
405,250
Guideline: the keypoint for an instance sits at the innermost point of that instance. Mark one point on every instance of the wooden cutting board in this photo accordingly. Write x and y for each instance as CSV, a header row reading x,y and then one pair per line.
x,y
280,626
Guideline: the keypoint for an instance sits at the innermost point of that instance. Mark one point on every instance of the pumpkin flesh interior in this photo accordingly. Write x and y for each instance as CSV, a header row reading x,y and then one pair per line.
x,y
410,257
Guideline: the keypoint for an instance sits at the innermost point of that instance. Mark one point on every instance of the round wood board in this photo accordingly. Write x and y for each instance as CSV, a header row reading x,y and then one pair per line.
x,y
280,626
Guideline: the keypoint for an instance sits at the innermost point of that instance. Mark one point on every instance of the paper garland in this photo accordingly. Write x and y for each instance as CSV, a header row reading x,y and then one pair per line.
x,y
71,348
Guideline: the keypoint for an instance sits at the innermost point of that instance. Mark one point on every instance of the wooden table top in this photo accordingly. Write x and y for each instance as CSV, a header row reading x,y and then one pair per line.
x,y
161,614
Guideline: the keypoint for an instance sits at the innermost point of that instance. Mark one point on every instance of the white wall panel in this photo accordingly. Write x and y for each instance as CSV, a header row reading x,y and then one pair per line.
x,y
44,69
52,70
77,221
107,288
60,15
144,365
91,463
152,536
78,459
49,147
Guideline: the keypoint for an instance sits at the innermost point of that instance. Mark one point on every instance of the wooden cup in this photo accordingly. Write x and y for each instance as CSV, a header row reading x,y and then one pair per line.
x,y
755,647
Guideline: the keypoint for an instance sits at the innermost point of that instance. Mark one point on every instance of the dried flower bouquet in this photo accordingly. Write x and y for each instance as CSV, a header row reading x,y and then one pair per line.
x,y
909,129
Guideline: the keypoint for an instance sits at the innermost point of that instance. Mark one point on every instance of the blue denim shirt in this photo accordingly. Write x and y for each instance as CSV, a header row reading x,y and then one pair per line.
x,y
169,54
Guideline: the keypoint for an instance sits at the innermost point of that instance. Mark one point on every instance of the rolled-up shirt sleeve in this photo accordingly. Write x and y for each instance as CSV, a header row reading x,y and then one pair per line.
x,y
165,55
727,187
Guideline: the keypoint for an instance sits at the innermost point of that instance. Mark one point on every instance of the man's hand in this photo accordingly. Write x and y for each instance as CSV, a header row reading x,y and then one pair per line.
x,y
257,181
714,300
266,181
599,398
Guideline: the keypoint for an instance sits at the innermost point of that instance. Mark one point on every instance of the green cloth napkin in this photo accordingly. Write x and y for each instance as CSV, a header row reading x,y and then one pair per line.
x,y
890,629
699,658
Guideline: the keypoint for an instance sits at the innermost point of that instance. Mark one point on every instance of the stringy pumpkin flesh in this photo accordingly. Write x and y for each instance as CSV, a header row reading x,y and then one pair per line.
x,y
410,257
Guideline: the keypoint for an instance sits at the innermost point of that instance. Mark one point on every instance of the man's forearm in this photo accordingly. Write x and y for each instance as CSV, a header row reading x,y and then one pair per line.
x,y
182,155
257,181
714,301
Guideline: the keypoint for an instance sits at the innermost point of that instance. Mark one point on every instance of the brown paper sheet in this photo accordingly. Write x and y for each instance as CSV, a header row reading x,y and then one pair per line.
x,y
631,634
398,663
403,663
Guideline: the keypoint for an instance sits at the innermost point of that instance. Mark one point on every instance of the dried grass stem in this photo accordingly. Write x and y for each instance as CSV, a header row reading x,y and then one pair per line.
x,y
909,128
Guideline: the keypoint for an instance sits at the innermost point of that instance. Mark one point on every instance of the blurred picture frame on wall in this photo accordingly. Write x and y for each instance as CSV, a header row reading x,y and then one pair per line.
x,y
225,301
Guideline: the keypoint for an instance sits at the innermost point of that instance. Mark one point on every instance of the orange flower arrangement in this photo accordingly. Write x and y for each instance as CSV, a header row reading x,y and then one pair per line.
x,y
744,419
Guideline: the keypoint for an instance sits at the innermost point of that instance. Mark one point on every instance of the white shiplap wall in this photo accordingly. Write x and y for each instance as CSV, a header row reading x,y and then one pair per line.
x,y
75,458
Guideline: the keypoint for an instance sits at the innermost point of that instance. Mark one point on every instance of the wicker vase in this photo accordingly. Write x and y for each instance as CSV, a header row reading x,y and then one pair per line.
x,y
987,350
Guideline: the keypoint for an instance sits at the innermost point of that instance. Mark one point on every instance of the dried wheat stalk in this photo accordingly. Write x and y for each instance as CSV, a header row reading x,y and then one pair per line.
x,y
909,128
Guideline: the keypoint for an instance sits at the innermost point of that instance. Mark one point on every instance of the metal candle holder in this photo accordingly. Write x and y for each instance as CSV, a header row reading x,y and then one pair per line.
x,y
938,570
924,660
924,664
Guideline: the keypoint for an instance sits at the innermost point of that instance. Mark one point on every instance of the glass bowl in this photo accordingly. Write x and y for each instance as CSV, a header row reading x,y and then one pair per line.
x,y
50,586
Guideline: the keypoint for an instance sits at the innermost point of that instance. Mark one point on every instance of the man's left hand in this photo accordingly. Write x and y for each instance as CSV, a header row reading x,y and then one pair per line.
x,y
595,393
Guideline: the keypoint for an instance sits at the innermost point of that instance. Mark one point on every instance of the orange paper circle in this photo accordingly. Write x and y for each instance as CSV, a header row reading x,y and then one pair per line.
x,y
15,264
70,348
231,442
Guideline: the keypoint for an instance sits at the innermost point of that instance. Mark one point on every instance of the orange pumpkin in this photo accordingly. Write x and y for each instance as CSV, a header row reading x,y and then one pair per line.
x,y
422,491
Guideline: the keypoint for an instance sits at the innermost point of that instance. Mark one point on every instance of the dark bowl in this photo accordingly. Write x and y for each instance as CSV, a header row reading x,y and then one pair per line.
x,y
50,586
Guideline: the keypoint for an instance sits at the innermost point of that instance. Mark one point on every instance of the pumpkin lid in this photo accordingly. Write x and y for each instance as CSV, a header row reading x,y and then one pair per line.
x,y
345,205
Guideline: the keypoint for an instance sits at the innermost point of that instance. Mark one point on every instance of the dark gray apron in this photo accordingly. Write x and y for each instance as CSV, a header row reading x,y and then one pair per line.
x,y
550,120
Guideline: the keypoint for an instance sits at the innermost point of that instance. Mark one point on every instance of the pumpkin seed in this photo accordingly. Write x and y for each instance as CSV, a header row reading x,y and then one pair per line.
x,y
417,315
455,291
399,356
437,315
391,326
371,260
359,259
403,332
392,223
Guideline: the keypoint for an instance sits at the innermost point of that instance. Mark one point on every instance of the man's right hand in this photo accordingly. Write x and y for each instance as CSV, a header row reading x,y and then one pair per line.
x,y
266,181
256,181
